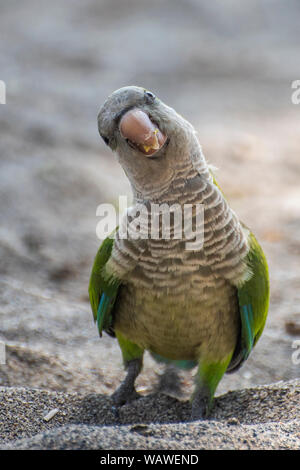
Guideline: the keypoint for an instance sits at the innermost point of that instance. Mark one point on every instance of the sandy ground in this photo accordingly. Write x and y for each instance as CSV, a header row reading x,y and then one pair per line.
x,y
260,418
228,69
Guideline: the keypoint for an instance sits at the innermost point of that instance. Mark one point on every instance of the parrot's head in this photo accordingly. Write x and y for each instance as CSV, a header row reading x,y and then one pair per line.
x,y
153,142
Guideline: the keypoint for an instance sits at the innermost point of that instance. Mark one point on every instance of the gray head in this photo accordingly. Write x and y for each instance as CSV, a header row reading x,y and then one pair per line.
x,y
152,141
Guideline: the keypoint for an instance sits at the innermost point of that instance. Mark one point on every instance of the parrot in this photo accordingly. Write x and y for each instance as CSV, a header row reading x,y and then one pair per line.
x,y
203,307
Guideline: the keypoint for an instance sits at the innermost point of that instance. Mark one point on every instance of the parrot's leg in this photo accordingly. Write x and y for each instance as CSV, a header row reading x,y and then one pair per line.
x,y
169,381
133,362
126,392
208,376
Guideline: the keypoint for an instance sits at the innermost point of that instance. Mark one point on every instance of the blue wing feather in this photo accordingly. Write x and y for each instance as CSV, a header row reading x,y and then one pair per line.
x,y
246,314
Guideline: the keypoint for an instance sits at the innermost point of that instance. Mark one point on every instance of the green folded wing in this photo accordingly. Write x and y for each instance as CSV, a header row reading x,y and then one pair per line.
x,y
253,299
103,290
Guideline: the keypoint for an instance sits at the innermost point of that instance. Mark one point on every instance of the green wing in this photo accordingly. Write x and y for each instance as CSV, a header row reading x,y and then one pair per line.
x,y
253,299
103,291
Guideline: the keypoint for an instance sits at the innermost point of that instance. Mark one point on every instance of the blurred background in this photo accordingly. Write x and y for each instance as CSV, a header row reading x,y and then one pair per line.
x,y
228,68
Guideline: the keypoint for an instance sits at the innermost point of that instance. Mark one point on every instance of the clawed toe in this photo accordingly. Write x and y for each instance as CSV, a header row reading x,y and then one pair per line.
x,y
122,396
201,405
200,411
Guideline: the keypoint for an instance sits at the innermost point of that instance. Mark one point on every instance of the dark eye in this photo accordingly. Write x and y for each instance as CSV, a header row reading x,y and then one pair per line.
x,y
106,140
150,97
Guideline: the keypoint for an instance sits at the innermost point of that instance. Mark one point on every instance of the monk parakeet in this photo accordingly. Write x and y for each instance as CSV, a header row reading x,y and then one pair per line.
x,y
204,306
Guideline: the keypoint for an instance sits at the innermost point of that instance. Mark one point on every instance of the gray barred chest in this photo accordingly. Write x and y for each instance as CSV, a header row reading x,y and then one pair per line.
x,y
166,267
177,301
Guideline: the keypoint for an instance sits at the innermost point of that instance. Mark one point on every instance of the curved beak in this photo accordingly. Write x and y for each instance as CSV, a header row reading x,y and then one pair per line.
x,y
137,127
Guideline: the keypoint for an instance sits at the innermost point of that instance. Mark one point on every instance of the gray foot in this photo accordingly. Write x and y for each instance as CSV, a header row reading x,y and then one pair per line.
x,y
123,395
201,405
126,391
169,382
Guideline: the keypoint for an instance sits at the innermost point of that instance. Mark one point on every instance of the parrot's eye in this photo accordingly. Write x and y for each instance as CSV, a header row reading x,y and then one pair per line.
x,y
106,140
150,97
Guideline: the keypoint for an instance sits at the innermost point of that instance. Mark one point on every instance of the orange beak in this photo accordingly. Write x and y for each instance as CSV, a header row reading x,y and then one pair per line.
x,y
137,127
